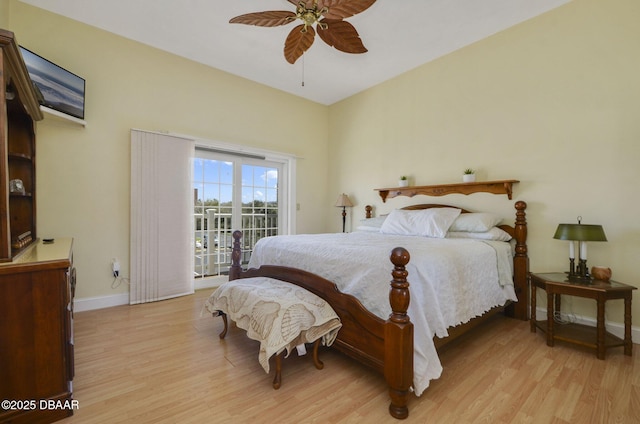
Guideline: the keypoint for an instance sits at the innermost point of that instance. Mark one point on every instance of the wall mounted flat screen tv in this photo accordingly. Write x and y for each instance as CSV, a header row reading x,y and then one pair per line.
x,y
61,90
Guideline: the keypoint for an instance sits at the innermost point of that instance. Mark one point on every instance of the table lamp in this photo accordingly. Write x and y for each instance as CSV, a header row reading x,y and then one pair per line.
x,y
344,202
581,233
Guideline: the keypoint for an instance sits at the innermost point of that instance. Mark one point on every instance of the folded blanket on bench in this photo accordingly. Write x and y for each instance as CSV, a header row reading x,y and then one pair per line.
x,y
278,314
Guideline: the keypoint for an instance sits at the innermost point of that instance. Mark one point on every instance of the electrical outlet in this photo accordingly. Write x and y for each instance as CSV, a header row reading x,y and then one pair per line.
x,y
115,267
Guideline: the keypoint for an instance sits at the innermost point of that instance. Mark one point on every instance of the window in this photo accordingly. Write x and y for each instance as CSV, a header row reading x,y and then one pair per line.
x,y
236,191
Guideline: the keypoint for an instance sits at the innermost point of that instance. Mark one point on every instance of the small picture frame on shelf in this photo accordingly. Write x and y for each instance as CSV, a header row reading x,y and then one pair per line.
x,y
16,186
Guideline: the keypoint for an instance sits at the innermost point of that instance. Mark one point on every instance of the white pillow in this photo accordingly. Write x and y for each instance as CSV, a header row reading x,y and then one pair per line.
x,y
494,233
371,224
434,222
475,222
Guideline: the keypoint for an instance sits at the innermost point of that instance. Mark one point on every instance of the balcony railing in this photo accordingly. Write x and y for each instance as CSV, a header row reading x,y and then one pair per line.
x,y
213,238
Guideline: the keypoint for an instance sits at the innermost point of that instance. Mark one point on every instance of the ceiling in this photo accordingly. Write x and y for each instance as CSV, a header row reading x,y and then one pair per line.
x,y
399,34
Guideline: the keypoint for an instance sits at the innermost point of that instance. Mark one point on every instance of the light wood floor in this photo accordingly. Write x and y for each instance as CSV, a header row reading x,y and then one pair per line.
x,y
163,363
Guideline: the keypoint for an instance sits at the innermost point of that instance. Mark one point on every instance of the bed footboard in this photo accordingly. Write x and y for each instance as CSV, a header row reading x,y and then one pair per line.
x,y
385,345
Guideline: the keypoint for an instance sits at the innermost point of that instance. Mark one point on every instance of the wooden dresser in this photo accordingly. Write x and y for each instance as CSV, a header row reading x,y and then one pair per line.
x,y
36,334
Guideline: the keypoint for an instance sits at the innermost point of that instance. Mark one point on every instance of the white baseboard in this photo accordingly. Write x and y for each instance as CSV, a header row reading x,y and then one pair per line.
x,y
615,328
100,302
91,303
210,282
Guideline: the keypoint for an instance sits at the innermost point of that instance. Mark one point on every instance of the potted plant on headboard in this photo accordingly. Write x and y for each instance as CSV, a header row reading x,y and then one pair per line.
x,y
403,182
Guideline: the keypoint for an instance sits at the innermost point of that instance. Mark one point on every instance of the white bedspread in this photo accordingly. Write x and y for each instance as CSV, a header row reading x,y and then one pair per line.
x,y
452,280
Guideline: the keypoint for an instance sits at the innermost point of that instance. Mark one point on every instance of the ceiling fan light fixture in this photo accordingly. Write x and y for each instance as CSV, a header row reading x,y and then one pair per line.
x,y
310,16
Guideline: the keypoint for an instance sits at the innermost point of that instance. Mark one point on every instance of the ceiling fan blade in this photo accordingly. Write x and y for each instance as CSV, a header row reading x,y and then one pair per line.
x,y
265,19
298,42
341,35
340,9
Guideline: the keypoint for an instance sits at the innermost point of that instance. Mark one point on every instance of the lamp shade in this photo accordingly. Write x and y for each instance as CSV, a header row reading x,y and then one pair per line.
x,y
344,201
580,232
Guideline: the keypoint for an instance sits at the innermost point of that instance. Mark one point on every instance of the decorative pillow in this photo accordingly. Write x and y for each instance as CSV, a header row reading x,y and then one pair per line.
x,y
433,222
371,224
475,222
494,233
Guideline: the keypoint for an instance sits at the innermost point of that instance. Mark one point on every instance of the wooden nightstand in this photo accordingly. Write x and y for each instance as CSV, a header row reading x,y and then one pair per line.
x,y
556,284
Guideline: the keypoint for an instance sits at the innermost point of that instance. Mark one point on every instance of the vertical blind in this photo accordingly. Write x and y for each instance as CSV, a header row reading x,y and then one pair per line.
x,y
161,216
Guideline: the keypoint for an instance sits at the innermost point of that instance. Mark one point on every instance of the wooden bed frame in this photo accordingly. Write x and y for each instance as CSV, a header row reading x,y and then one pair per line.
x,y
387,345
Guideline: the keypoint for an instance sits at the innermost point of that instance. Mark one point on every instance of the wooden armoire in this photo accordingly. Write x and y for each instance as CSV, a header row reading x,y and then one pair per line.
x,y
37,278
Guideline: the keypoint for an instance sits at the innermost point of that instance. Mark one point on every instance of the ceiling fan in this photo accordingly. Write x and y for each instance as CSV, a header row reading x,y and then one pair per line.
x,y
328,17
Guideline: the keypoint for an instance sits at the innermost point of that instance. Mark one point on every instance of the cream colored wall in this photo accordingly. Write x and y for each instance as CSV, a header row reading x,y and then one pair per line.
x,y
553,102
4,13
83,173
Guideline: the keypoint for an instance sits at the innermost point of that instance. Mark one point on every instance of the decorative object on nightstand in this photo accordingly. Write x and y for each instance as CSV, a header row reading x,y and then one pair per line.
x,y
469,175
344,202
601,273
582,233
403,181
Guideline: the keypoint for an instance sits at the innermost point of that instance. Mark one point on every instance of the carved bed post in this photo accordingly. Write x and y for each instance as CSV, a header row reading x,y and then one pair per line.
x,y
367,211
398,334
236,254
521,263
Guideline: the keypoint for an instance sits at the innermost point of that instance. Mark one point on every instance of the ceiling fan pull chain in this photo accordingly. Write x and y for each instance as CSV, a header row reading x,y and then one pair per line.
x,y
303,70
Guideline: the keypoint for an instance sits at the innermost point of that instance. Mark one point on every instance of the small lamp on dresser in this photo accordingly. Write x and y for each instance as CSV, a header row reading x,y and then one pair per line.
x,y
344,202
581,233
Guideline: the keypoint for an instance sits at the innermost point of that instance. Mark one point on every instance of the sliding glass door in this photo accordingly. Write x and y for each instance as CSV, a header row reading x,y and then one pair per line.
x,y
233,192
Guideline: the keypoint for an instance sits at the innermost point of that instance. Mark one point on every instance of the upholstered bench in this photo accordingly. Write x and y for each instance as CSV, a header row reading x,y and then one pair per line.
x,y
280,315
